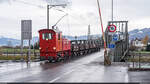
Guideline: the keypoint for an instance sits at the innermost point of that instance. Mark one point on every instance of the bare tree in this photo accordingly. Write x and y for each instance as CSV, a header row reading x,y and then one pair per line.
x,y
145,40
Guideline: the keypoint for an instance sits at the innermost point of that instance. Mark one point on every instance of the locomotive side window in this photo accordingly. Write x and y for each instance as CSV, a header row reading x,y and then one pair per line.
x,y
46,36
50,36
58,36
43,36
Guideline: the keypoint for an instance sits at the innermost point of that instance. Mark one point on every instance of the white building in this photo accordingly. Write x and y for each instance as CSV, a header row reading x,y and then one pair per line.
x,y
148,42
137,43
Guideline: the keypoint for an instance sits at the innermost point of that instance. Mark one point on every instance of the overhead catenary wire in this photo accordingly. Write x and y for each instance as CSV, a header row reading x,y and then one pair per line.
x,y
74,18
112,9
60,19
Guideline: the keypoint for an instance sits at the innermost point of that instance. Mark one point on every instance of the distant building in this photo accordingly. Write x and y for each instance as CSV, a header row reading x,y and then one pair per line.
x,y
138,44
148,43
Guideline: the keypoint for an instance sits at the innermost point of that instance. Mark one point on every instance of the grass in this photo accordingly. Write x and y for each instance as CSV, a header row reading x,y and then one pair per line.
x,y
142,52
11,50
15,57
142,59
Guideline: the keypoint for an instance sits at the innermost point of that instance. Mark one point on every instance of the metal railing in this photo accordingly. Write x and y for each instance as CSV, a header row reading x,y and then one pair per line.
x,y
139,61
15,54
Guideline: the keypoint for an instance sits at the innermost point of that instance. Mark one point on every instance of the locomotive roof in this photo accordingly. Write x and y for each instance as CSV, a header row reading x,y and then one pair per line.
x,y
55,30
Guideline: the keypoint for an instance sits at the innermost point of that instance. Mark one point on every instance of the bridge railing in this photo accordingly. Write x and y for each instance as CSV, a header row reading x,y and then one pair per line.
x,y
139,61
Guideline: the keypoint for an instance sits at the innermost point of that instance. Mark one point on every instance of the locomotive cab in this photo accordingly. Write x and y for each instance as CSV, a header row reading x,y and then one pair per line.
x,y
50,42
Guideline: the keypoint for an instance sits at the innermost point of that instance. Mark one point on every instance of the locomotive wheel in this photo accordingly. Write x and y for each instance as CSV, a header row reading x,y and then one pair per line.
x,y
64,59
41,59
52,60
69,57
59,59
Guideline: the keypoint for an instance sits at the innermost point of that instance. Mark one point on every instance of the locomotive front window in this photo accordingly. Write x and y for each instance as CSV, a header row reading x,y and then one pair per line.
x,y
46,36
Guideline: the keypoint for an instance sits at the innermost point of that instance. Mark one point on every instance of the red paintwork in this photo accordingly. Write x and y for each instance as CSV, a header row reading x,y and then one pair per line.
x,y
66,44
51,48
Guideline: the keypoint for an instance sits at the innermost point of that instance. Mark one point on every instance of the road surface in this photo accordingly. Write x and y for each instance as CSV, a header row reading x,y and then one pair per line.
x,y
84,69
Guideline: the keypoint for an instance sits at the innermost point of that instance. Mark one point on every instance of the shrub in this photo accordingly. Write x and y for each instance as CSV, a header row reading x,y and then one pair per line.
x,y
148,48
132,48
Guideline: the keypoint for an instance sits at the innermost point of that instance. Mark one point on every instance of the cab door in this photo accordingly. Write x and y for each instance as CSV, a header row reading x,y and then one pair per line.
x,y
59,42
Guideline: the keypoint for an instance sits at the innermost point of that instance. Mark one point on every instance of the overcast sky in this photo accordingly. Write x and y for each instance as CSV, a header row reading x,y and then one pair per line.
x,y
81,14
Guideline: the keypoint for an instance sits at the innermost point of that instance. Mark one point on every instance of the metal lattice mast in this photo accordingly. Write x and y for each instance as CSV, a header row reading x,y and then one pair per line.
x,y
89,32
112,9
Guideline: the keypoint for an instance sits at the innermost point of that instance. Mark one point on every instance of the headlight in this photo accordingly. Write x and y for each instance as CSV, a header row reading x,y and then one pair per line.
x,y
54,48
40,48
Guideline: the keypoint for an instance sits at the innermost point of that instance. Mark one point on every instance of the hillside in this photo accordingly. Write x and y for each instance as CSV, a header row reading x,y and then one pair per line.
x,y
136,33
139,33
4,41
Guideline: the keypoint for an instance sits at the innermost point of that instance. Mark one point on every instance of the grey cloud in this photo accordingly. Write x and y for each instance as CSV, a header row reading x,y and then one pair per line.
x,y
22,1
132,8
68,2
5,1
39,6
1,1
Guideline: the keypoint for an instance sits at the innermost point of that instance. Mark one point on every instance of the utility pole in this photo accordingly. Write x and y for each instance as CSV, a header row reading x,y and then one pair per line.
x,y
89,32
112,9
48,8
47,16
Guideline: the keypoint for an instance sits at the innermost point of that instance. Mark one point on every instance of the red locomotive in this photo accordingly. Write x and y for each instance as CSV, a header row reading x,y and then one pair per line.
x,y
53,46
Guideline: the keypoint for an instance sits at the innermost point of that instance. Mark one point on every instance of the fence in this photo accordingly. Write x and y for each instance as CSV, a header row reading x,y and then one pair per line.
x,y
15,54
139,61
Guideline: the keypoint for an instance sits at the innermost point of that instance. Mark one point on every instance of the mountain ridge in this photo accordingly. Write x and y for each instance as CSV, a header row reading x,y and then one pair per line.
x,y
5,41
136,33
139,33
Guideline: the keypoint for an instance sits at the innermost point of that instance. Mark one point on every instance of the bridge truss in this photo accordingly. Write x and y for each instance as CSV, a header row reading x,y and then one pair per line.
x,y
117,42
